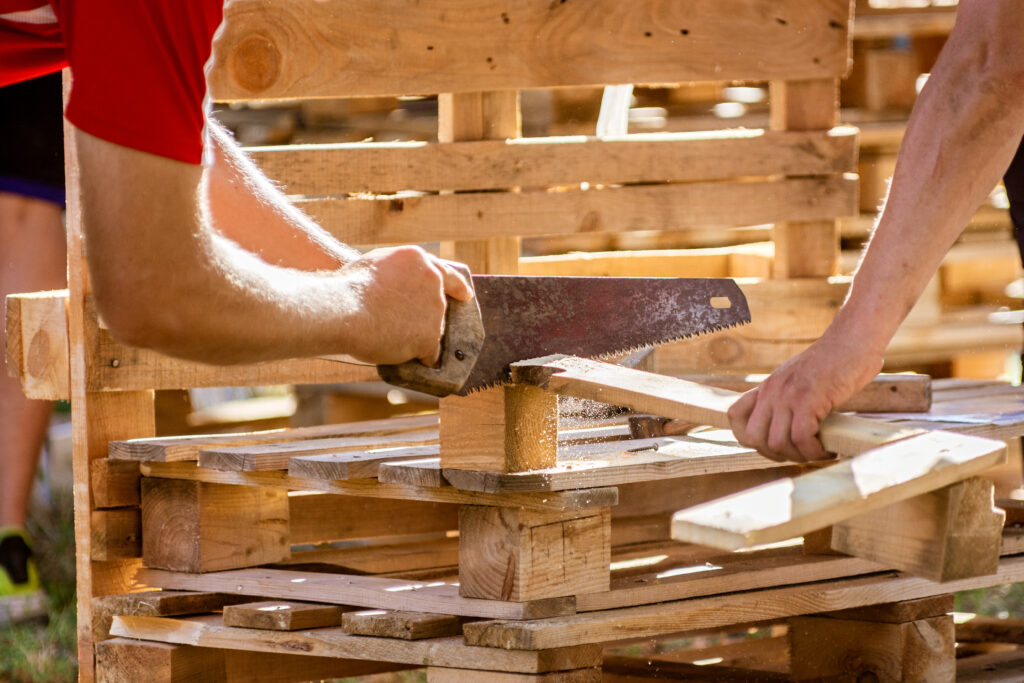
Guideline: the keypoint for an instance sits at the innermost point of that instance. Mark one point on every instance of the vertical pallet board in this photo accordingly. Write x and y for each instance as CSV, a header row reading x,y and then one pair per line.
x,y
805,248
97,419
481,116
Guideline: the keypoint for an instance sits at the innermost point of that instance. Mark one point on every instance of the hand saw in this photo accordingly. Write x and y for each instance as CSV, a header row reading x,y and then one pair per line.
x,y
513,318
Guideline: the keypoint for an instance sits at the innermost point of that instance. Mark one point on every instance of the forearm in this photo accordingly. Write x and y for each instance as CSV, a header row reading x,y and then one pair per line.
x,y
165,279
246,208
961,136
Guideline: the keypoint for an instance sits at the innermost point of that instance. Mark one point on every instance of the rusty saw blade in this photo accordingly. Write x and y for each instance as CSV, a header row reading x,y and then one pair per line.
x,y
513,318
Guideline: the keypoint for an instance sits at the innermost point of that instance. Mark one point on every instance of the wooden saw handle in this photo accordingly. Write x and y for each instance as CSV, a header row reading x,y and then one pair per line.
x,y
460,347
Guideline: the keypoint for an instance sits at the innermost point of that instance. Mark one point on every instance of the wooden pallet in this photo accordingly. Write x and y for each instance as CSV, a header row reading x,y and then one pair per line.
x,y
399,604
538,591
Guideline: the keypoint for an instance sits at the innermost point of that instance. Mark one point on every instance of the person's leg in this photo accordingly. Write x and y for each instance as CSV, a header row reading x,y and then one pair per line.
x,y
31,259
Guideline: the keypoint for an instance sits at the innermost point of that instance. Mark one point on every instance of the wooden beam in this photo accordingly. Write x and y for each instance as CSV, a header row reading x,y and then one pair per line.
x,y
306,49
503,429
195,526
922,650
37,343
316,518
388,167
519,555
951,533
115,483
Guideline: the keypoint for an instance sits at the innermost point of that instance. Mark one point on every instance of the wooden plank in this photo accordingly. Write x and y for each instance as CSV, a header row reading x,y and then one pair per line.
x,y
899,612
307,49
420,472
281,615
264,457
354,465
182,448
871,480
386,167
951,533
519,555
607,210
713,612
669,458
618,669
404,625
436,674
334,642
201,527
122,659
886,393
359,591
37,343
157,604
316,518
710,575
806,248
558,500
675,398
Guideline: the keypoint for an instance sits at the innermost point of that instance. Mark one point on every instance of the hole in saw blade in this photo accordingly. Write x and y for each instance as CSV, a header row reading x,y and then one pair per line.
x,y
721,302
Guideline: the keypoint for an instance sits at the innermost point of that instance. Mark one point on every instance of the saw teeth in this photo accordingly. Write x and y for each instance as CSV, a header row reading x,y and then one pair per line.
x,y
710,330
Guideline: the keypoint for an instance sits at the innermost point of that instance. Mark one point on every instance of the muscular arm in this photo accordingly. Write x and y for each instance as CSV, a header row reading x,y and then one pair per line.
x,y
169,271
961,136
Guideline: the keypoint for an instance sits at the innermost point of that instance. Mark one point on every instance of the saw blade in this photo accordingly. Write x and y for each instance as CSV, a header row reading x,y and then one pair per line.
x,y
594,317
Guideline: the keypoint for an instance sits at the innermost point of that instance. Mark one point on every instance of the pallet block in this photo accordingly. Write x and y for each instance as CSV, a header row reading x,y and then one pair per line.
x,y
519,555
951,533
890,642
502,429
194,526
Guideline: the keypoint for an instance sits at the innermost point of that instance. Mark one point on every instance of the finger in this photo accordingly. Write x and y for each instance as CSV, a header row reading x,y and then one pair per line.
x,y
739,414
779,440
758,428
805,438
456,283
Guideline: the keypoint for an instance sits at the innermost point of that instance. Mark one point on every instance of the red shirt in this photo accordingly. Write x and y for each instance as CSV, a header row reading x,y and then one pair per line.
x,y
138,65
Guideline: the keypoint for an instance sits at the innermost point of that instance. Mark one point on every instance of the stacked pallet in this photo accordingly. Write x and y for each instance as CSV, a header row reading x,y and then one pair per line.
x,y
366,546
